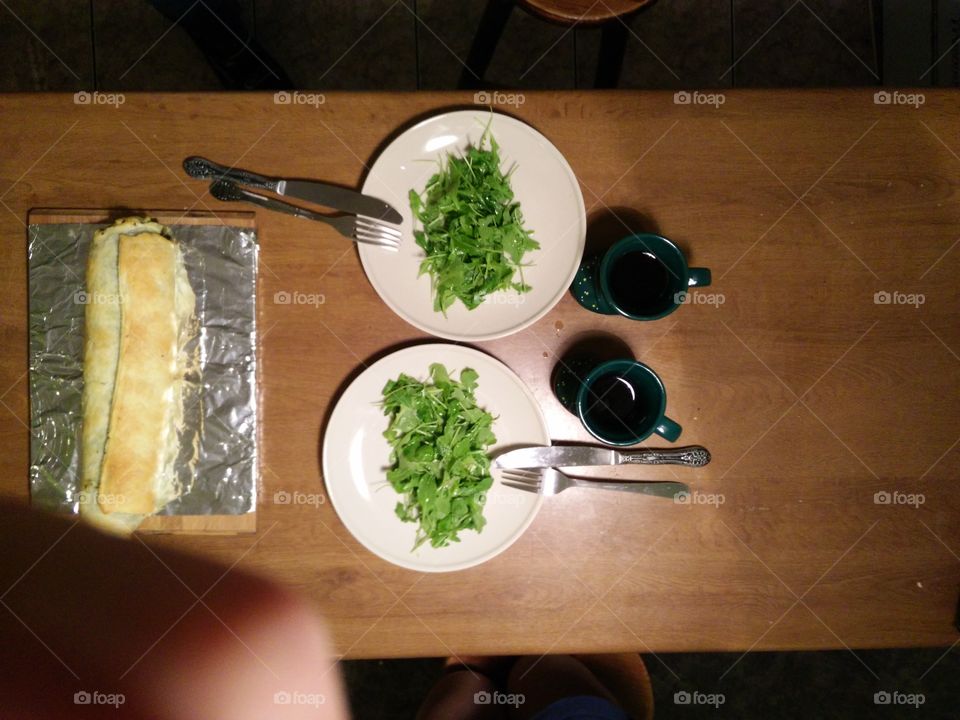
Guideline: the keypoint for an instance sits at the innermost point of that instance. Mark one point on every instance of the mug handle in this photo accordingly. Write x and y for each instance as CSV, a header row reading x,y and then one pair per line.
x,y
699,277
668,429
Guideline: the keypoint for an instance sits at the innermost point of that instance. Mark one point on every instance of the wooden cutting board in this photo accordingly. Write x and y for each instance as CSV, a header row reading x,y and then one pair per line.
x,y
177,524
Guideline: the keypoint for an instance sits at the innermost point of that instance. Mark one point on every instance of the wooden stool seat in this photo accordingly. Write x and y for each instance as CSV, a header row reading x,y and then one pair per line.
x,y
583,12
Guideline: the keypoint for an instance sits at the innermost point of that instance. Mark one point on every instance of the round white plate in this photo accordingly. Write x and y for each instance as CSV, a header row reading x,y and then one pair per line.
x,y
549,196
356,456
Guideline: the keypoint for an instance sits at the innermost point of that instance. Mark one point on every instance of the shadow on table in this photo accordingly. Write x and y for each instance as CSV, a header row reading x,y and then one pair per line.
x,y
610,224
586,350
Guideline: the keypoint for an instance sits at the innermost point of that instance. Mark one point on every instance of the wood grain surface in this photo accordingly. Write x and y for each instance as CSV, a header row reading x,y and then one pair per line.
x,y
811,396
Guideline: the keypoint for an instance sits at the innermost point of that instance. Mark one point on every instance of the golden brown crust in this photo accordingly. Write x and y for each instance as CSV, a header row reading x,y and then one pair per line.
x,y
133,372
141,415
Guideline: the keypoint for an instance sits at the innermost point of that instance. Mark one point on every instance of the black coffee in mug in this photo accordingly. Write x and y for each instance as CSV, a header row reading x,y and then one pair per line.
x,y
620,402
615,402
640,283
642,277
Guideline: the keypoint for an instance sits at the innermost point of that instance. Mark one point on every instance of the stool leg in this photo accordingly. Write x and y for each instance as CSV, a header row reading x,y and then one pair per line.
x,y
613,46
489,32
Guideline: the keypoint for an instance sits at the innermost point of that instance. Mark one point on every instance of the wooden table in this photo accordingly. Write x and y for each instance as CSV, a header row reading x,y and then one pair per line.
x,y
811,395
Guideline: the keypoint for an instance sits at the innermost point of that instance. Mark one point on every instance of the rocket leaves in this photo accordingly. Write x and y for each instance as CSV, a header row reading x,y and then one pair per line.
x,y
438,462
473,231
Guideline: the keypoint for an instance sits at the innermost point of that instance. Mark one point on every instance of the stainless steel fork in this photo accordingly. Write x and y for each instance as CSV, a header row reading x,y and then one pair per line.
x,y
356,227
550,481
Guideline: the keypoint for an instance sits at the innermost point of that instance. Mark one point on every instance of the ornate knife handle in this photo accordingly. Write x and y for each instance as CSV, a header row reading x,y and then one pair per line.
x,y
201,168
691,456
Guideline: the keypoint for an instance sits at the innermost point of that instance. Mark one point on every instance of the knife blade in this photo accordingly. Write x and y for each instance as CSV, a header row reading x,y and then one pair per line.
x,y
340,198
538,456
321,193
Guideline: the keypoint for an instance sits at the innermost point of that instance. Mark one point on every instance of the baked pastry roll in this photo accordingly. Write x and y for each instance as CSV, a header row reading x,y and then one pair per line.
x,y
139,317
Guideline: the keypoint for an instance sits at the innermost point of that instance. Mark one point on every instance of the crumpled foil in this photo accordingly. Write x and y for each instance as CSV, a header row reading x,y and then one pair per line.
x,y
220,407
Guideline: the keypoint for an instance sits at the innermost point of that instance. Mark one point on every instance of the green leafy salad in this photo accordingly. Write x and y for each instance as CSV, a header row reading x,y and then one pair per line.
x,y
438,460
473,233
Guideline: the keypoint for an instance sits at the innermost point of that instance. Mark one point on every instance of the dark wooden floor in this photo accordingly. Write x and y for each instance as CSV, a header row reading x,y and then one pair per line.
x,y
409,44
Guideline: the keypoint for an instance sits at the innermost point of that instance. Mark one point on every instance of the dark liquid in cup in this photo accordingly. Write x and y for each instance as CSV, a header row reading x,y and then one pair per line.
x,y
618,407
640,283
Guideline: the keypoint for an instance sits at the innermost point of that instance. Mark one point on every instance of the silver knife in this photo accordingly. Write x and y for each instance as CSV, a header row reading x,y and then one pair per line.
x,y
538,456
331,196
671,490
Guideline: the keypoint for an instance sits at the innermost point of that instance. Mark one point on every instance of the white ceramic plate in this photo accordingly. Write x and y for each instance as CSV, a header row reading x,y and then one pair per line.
x,y
552,206
356,455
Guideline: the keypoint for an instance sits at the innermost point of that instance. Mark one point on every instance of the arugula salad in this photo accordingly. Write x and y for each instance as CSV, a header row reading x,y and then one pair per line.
x,y
438,461
472,232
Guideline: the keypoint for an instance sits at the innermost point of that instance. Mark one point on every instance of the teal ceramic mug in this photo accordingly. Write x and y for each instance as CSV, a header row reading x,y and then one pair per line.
x,y
619,402
642,277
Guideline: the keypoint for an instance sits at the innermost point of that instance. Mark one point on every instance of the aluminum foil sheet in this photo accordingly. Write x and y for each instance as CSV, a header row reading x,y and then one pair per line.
x,y
220,408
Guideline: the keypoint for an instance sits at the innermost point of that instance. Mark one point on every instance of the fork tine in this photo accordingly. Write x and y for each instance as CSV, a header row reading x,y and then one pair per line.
x,y
378,220
533,472
377,241
384,246
379,230
373,238
390,244
378,225
374,230
524,487
521,475
521,480
366,232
